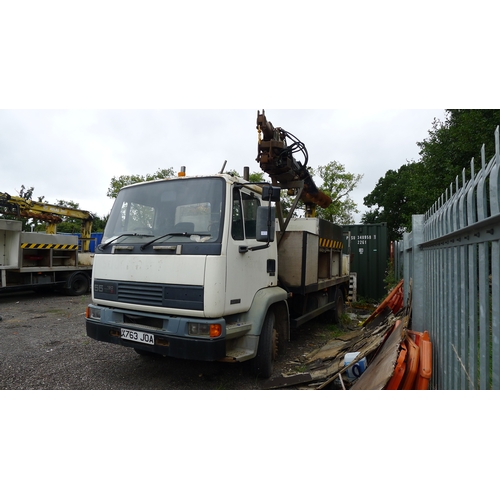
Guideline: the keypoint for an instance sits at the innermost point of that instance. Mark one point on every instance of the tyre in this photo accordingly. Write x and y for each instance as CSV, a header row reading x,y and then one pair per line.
x,y
267,352
77,284
339,306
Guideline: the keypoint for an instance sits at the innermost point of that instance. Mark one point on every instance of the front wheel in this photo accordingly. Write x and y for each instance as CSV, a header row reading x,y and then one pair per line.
x,y
267,352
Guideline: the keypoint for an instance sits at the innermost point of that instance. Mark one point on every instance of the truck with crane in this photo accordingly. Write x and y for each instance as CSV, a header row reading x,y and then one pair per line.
x,y
210,268
35,260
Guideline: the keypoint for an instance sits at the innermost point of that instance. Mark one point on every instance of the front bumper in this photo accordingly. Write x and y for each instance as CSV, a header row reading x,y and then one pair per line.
x,y
169,341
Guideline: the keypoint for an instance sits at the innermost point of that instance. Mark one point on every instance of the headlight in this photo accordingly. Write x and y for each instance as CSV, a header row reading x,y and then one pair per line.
x,y
204,330
93,313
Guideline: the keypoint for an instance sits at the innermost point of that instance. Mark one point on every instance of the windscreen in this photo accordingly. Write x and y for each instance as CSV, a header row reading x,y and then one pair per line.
x,y
183,210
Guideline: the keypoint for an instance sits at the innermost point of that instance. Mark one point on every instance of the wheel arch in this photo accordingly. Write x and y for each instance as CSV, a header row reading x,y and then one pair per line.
x,y
264,299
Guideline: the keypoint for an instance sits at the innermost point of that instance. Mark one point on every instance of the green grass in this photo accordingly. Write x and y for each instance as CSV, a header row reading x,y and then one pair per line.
x,y
55,311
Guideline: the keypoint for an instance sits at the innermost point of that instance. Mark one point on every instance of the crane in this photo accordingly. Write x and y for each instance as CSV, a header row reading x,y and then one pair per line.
x,y
276,159
51,214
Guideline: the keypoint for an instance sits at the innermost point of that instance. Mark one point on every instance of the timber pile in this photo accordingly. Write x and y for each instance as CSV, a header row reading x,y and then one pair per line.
x,y
378,340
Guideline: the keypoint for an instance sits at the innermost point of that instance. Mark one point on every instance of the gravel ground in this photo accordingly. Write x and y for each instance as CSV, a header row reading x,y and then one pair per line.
x,y
43,345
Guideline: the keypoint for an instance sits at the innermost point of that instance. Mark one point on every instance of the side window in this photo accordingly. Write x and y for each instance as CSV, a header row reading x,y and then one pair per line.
x,y
237,221
250,205
244,215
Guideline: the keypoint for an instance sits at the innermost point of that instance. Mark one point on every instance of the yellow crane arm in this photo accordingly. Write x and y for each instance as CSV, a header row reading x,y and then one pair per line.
x,y
51,214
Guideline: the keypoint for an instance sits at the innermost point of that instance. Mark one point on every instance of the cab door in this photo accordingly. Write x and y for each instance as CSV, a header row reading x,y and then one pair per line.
x,y
248,271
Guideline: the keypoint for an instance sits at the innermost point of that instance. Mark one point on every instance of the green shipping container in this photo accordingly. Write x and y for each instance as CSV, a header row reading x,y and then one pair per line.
x,y
368,246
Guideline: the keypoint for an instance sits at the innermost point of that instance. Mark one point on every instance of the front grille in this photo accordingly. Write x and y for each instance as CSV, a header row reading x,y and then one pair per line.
x,y
140,293
173,296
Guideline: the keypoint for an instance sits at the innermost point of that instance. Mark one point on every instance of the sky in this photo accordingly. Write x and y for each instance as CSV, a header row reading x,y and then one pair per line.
x,y
72,155
120,88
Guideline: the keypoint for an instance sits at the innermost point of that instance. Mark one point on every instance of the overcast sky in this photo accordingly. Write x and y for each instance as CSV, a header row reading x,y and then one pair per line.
x,y
73,155
117,88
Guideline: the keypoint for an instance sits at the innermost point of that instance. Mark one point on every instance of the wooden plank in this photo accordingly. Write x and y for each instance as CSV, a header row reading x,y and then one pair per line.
x,y
288,380
380,371
326,363
328,351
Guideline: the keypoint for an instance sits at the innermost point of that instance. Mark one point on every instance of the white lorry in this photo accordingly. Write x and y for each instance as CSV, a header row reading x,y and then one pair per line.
x,y
195,268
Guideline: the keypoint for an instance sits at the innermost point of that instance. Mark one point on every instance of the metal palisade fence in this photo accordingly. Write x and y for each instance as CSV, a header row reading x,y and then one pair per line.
x,y
452,260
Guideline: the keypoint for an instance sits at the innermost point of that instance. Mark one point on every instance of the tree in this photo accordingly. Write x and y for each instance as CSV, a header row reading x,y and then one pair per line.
x,y
26,193
253,176
256,177
414,187
72,225
68,224
450,147
337,183
394,201
126,180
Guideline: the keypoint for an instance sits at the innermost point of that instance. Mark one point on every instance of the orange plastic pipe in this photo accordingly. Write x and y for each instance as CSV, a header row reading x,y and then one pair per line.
x,y
412,365
425,368
399,371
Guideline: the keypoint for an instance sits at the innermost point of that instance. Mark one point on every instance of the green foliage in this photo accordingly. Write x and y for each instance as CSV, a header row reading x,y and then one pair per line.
x,y
253,177
125,180
395,200
286,201
99,223
69,224
390,278
256,177
336,183
451,146
11,214
26,193
414,187
72,225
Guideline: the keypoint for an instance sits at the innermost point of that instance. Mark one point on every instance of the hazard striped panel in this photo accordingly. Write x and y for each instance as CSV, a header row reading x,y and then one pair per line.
x,y
327,243
45,246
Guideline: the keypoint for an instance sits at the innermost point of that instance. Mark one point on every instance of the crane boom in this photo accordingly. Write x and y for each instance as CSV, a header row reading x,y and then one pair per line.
x,y
276,159
51,214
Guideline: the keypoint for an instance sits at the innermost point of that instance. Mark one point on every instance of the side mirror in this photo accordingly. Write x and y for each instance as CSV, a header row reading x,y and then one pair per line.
x,y
265,223
271,193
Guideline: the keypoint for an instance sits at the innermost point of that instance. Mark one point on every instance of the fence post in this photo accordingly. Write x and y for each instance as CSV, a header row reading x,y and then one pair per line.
x,y
407,267
418,283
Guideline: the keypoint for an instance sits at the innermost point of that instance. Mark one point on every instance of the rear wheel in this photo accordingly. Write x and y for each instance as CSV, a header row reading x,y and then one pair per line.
x,y
267,352
339,306
77,284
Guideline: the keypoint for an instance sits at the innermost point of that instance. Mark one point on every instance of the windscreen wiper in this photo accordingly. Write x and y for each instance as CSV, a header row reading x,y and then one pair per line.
x,y
104,245
163,236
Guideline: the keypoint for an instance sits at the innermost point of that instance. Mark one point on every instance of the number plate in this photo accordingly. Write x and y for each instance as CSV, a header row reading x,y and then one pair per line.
x,y
142,337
